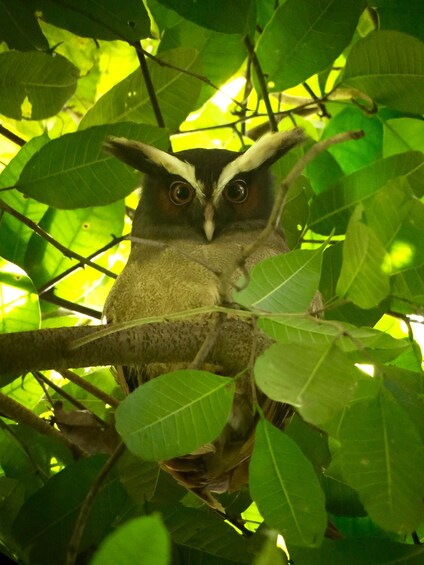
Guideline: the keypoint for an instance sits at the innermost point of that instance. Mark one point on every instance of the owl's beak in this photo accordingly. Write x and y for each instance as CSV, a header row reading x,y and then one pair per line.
x,y
209,224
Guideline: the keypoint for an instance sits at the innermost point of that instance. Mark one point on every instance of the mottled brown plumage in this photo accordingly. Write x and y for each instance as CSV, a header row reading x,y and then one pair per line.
x,y
198,210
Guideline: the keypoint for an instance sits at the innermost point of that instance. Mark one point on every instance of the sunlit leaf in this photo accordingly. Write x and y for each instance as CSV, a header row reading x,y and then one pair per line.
x,y
285,283
144,538
35,85
403,134
377,440
363,279
355,154
331,209
407,289
74,171
317,380
14,234
83,230
220,55
285,487
304,37
389,67
174,414
176,93
19,307
360,343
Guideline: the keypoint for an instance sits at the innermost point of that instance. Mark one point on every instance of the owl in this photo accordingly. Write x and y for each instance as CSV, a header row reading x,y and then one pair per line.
x,y
198,209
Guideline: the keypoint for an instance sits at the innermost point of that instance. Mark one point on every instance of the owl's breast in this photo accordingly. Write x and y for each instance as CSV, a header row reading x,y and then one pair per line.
x,y
159,282
182,276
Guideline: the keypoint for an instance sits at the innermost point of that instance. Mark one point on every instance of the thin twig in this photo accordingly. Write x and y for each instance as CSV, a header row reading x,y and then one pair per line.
x,y
38,470
262,83
321,106
44,380
89,387
149,85
198,76
84,513
12,136
59,278
42,233
15,411
50,296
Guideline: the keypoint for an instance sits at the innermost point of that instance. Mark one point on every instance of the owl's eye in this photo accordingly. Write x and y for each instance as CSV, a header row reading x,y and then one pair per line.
x,y
236,191
180,193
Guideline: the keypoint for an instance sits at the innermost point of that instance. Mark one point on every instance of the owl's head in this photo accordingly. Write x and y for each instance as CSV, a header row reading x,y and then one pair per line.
x,y
201,192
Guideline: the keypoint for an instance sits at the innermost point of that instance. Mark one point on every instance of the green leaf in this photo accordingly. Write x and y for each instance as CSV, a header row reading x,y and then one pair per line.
x,y
377,441
408,389
205,536
360,343
220,55
285,487
35,85
19,306
303,38
356,551
323,171
109,19
355,154
19,28
389,67
226,16
73,171
284,283
44,525
176,92
270,554
141,539
83,230
403,134
407,290
317,380
14,235
332,209
174,414
395,14
345,312
363,278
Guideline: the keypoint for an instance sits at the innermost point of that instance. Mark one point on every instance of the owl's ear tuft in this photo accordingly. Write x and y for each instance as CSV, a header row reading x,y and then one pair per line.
x,y
146,158
133,153
263,153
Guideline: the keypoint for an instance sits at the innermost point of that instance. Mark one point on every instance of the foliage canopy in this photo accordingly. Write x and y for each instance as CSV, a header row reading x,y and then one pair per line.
x,y
216,74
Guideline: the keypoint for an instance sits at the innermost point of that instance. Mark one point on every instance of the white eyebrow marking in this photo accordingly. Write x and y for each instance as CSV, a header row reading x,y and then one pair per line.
x,y
256,155
174,166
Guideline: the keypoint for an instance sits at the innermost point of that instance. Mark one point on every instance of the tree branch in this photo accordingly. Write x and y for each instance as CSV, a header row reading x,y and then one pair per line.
x,y
165,342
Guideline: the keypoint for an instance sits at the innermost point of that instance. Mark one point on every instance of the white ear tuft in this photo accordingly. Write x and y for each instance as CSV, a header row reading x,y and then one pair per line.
x,y
264,152
142,156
